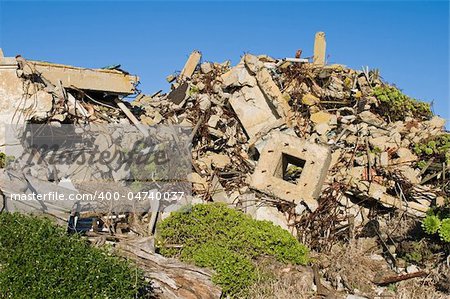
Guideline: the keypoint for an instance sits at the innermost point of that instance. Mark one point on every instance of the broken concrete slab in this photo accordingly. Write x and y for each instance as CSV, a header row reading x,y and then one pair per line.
x,y
252,109
190,66
213,121
436,122
238,76
268,87
112,81
284,153
370,118
204,102
15,106
322,128
384,159
211,161
218,160
405,155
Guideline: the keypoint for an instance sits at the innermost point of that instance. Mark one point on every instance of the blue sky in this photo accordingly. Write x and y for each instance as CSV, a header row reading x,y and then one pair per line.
x,y
407,40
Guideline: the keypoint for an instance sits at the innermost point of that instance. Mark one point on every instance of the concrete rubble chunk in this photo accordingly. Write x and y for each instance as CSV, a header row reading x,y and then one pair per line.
x,y
199,183
384,159
204,102
217,191
310,100
170,78
271,214
42,104
410,173
383,143
379,192
322,128
218,160
190,66
206,67
405,155
268,86
436,122
370,118
284,154
238,76
252,109
213,120
321,117
211,161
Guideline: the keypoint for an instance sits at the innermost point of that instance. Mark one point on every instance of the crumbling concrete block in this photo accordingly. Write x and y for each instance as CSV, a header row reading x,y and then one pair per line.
x,y
283,153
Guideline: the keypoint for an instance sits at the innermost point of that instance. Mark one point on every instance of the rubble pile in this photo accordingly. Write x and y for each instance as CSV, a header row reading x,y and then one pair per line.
x,y
303,145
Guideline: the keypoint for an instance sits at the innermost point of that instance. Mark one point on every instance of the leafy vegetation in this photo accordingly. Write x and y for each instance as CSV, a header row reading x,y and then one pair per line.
x,y
396,106
431,224
444,230
438,222
226,240
438,147
4,159
39,260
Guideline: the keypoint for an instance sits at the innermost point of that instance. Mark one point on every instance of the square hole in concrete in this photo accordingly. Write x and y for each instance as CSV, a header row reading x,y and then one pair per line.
x,y
289,168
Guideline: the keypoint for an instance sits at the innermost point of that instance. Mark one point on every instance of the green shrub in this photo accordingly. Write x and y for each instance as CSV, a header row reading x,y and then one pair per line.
x,y
396,106
39,260
438,221
234,272
4,159
438,146
444,230
226,240
431,224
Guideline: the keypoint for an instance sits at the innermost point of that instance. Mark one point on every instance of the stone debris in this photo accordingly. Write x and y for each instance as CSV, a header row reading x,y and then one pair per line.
x,y
300,134
287,128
